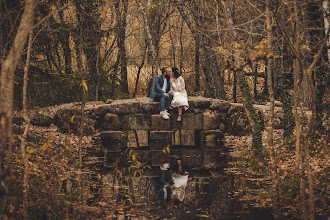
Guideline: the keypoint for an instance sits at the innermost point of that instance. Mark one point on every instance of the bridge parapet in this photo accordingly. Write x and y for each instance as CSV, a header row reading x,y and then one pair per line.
x,y
137,123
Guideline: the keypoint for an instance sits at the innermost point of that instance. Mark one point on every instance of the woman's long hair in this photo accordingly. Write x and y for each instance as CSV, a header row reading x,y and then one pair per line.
x,y
176,72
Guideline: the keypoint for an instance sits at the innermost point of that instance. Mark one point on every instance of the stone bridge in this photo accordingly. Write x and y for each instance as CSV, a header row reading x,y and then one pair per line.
x,y
136,123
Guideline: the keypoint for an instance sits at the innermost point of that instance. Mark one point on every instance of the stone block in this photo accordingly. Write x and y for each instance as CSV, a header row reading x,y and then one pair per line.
x,y
158,123
137,136
193,121
158,157
192,156
158,146
113,141
160,139
101,110
210,158
136,122
125,106
175,125
212,136
112,157
112,136
111,122
188,137
112,146
184,137
220,105
211,139
199,102
190,121
175,153
210,121
161,136
148,105
177,137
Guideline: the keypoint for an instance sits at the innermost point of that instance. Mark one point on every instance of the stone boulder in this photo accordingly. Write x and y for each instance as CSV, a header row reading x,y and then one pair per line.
x,y
125,106
42,119
111,122
237,122
68,120
148,106
220,105
199,102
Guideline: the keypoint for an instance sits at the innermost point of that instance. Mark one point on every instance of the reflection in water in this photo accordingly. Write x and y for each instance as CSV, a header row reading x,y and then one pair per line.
x,y
211,193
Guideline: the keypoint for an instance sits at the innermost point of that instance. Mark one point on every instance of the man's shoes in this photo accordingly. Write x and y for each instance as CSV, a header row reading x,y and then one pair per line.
x,y
166,111
164,115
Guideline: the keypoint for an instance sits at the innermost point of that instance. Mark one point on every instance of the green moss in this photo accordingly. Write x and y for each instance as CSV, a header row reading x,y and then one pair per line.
x,y
257,134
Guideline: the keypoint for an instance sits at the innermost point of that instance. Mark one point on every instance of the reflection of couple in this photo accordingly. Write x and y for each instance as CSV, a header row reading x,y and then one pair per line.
x,y
171,185
170,91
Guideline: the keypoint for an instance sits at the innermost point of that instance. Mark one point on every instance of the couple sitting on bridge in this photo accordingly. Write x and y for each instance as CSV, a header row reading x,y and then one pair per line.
x,y
171,184
170,91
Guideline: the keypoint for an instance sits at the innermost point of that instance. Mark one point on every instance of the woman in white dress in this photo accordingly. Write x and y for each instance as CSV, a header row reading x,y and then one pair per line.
x,y
180,180
180,97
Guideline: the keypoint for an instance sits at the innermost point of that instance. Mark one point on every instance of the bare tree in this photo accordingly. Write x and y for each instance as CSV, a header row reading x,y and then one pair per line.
x,y
197,24
270,141
151,41
304,63
7,77
26,129
121,13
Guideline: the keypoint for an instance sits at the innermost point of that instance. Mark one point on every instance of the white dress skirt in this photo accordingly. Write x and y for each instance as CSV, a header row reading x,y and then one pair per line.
x,y
180,183
179,98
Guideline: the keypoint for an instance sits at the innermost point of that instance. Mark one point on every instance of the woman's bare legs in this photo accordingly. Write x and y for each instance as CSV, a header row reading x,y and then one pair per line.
x,y
179,114
185,108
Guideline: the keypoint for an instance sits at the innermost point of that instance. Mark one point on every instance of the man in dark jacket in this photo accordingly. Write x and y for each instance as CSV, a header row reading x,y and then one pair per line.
x,y
161,91
163,184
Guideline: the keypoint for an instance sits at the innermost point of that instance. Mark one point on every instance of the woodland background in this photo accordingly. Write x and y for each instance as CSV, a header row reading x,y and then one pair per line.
x,y
249,51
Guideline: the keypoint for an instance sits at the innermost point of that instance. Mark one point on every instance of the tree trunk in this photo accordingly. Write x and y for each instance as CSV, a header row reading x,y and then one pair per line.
x,y
298,108
197,69
326,12
66,51
97,74
152,46
270,141
114,77
121,46
7,77
255,70
212,69
209,63
173,47
84,89
181,49
26,130
139,70
235,87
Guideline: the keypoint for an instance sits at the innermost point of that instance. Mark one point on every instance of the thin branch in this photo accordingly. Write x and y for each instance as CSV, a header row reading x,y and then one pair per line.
x,y
319,53
48,16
